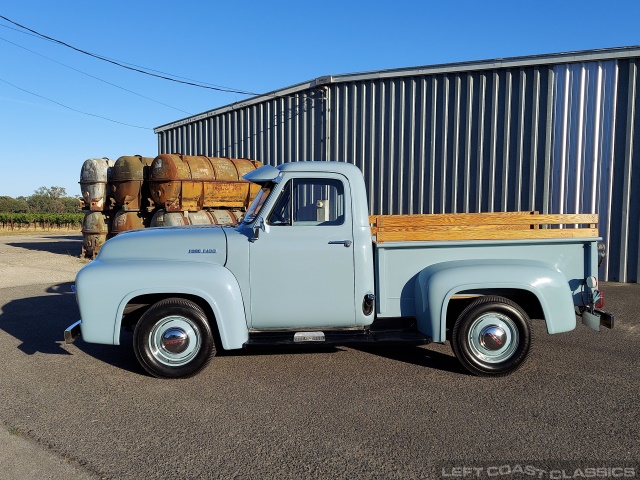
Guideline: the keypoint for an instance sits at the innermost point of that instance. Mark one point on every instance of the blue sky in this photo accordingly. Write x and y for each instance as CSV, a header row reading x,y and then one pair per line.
x,y
250,46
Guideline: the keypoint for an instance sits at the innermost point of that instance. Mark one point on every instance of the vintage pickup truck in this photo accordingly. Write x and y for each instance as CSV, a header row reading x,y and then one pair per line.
x,y
309,266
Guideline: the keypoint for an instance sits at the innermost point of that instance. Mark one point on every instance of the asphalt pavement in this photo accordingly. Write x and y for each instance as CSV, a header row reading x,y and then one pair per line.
x,y
89,411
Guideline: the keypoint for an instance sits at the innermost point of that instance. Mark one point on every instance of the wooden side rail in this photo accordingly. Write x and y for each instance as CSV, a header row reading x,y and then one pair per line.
x,y
481,226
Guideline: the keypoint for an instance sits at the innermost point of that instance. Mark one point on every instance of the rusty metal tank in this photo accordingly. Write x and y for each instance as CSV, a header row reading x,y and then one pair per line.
x,y
128,179
226,217
163,218
191,183
124,221
94,177
95,230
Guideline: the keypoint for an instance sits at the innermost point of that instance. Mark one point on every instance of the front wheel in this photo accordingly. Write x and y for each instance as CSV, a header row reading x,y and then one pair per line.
x,y
173,339
492,336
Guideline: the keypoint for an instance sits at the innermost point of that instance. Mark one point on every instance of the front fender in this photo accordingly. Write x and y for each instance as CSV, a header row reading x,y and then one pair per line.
x,y
105,288
437,284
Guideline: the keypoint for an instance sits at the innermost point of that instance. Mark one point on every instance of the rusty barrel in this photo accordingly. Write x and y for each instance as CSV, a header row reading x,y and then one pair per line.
x,y
94,178
128,178
192,183
226,217
95,229
124,221
163,218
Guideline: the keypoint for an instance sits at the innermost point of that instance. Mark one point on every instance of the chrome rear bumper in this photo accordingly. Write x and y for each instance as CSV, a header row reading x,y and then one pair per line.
x,y
597,319
72,332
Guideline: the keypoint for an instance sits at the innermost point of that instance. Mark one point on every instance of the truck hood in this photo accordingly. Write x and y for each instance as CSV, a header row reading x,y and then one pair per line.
x,y
203,244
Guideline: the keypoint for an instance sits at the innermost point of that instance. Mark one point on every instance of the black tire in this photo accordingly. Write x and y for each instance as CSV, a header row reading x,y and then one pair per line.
x,y
485,350
173,339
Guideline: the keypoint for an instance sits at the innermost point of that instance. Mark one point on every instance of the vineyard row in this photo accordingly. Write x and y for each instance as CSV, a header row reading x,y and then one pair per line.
x,y
44,220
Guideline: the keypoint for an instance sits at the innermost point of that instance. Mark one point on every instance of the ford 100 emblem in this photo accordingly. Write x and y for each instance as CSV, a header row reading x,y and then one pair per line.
x,y
202,250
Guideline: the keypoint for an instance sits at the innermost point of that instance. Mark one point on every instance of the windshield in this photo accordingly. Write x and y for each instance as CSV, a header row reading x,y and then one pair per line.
x,y
257,204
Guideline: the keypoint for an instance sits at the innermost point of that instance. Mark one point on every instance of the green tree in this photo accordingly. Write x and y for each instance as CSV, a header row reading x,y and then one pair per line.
x,y
47,200
13,205
40,204
43,200
54,193
70,205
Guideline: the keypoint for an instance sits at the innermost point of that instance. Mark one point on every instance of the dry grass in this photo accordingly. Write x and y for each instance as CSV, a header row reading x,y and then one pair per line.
x,y
36,232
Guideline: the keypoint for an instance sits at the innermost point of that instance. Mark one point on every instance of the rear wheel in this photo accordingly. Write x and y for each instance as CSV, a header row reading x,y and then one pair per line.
x,y
173,339
492,336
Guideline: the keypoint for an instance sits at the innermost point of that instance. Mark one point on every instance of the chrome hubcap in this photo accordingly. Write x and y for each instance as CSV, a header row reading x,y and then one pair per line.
x,y
493,337
175,340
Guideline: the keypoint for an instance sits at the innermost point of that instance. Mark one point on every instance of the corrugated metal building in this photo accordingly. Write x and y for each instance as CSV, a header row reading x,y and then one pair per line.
x,y
552,133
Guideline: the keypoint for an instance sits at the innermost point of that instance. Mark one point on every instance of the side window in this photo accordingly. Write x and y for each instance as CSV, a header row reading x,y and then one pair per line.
x,y
307,202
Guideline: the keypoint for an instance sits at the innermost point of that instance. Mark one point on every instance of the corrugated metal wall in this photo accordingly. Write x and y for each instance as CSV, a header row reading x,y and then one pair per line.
x,y
553,137
274,131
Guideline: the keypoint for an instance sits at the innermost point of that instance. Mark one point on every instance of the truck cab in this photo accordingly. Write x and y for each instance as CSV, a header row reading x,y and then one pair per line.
x,y
310,249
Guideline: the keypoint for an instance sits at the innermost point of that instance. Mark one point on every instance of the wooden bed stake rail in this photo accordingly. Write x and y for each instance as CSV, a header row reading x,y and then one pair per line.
x,y
481,226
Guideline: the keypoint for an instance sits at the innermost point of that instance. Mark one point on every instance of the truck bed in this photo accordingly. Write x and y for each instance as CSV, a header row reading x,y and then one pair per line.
x,y
406,244
482,226
397,264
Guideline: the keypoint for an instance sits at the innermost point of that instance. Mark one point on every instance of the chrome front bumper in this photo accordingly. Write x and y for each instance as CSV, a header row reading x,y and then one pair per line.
x,y
72,332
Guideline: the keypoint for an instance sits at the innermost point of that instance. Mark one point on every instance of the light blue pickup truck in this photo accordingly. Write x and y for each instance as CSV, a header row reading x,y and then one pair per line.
x,y
309,266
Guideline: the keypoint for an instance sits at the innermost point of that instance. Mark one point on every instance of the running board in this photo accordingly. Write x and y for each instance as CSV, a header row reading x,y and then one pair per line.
x,y
335,338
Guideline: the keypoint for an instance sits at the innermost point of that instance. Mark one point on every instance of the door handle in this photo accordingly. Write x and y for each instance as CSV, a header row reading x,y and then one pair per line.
x,y
346,243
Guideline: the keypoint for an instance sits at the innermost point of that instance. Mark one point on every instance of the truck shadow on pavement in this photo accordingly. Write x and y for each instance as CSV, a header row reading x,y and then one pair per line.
x,y
71,245
422,357
39,324
120,356
39,321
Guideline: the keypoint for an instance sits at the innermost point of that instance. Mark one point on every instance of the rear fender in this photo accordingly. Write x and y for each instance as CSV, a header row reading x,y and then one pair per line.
x,y
436,285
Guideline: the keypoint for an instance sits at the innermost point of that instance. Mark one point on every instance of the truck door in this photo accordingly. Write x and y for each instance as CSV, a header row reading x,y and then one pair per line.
x,y
302,264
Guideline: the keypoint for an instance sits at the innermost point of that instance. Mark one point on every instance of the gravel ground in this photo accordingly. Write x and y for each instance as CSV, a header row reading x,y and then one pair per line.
x,y
325,413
